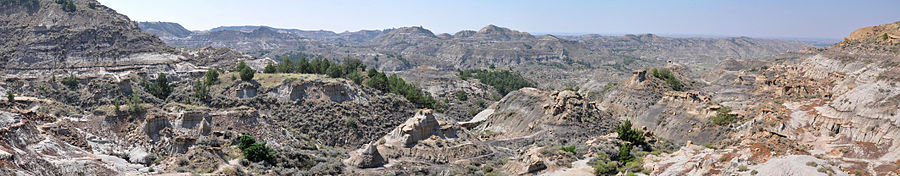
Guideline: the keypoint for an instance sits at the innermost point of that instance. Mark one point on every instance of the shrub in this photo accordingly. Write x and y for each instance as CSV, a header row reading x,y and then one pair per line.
x,y
743,168
812,164
634,165
605,168
70,81
626,133
92,5
570,149
258,152
245,141
10,96
723,116
462,95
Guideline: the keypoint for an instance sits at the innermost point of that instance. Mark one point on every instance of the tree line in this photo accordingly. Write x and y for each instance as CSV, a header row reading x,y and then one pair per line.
x,y
353,69
504,81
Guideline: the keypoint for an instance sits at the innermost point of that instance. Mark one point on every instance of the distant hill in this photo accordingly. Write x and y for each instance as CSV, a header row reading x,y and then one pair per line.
x,y
165,29
544,57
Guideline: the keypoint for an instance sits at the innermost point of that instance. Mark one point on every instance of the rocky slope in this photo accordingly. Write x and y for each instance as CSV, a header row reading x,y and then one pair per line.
x,y
835,105
49,37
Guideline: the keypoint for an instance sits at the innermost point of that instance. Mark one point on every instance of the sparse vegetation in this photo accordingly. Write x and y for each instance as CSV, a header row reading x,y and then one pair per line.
x,y
462,95
666,74
723,116
504,81
812,164
67,5
743,168
605,168
70,81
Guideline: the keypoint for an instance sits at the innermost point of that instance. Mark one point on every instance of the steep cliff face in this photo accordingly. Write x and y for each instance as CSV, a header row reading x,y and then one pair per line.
x,y
49,37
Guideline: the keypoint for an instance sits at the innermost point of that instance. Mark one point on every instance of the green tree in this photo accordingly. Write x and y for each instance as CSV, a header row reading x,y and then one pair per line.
x,y
240,66
625,153
247,74
378,81
258,152
627,133
116,105
335,71
303,66
504,81
286,65
10,96
67,5
212,76
201,90
160,88
134,105
245,141
355,76
269,68
352,65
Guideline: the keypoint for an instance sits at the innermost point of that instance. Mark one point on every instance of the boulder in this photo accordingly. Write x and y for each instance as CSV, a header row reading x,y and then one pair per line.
x,y
139,155
367,157
421,126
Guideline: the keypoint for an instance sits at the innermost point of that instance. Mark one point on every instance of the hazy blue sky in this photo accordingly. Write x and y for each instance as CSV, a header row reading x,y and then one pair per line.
x,y
757,18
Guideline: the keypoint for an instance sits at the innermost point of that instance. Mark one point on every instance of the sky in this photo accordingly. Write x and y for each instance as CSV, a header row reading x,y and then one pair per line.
x,y
822,19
